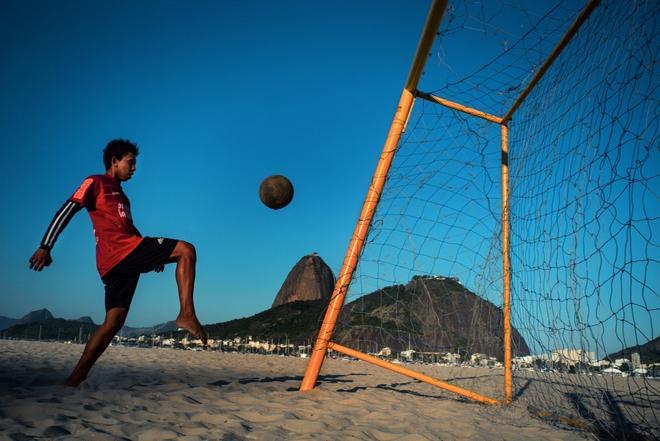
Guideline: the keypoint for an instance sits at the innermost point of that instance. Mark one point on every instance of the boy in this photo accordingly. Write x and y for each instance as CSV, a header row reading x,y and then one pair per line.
x,y
121,252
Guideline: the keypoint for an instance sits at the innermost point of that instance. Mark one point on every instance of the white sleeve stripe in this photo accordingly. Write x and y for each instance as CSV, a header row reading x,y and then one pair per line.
x,y
56,226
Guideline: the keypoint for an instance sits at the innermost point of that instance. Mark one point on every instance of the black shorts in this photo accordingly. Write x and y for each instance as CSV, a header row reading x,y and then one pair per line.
x,y
120,282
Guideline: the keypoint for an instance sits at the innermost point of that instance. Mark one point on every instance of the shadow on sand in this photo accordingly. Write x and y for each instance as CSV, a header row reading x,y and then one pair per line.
x,y
333,379
618,428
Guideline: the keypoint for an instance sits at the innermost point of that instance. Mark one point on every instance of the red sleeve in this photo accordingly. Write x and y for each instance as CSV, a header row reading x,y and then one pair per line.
x,y
84,195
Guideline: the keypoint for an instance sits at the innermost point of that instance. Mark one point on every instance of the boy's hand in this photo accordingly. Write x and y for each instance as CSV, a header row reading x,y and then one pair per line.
x,y
40,259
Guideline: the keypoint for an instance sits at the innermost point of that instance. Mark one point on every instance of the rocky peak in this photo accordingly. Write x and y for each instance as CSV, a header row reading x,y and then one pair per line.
x,y
310,279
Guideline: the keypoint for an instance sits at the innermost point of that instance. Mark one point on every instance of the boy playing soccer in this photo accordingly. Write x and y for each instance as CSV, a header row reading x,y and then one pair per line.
x,y
122,254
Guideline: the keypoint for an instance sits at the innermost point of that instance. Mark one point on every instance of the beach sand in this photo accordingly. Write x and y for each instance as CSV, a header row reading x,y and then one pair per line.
x,y
158,394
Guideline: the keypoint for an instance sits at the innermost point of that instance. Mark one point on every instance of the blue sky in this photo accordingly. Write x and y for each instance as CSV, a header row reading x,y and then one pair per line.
x,y
218,95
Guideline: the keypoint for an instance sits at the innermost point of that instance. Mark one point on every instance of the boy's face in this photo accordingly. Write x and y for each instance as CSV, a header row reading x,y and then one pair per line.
x,y
124,168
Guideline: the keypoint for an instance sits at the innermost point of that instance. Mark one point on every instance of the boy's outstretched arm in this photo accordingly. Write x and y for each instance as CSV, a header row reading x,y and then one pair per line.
x,y
42,258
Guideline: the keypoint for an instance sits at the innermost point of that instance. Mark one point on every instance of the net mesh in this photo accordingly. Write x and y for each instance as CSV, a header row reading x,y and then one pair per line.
x,y
584,207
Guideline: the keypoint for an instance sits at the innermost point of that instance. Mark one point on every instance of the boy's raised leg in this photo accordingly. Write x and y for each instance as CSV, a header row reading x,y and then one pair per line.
x,y
185,257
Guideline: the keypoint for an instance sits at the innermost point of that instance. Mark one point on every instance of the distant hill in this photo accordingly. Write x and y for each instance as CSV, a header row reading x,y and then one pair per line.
x,y
57,328
649,352
162,328
432,314
52,329
64,329
86,319
390,317
298,321
6,322
34,316
310,279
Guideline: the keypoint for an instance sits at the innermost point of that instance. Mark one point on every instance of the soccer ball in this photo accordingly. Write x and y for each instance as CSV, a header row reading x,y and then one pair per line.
x,y
276,191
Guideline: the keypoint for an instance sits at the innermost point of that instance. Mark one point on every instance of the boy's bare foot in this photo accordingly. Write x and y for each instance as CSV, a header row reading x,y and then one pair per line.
x,y
75,379
192,325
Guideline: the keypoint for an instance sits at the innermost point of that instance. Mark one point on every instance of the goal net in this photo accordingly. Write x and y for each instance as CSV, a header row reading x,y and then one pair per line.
x,y
584,211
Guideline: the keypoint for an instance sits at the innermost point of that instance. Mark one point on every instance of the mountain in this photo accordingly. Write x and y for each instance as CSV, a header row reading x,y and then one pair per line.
x,y
51,329
85,319
36,316
649,352
42,323
162,328
298,321
61,329
310,279
431,314
6,322
56,328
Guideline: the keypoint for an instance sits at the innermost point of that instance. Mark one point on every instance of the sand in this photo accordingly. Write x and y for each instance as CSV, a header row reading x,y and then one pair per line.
x,y
159,394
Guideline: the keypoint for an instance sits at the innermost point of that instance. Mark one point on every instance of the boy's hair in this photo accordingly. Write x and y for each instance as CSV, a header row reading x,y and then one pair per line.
x,y
118,148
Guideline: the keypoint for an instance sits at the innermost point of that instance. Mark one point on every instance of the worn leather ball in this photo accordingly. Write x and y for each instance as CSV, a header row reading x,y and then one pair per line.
x,y
276,191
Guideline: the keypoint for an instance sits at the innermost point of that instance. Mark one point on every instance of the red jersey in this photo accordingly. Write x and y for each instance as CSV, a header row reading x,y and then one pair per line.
x,y
110,211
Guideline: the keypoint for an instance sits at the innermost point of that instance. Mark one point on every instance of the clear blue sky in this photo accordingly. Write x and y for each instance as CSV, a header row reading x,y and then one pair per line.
x,y
217,95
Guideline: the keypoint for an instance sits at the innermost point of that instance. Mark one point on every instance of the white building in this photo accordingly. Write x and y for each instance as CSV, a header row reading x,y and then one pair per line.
x,y
169,342
385,352
488,362
620,362
408,354
600,364
476,358
640,372
612,371
636,361
572,356
524,360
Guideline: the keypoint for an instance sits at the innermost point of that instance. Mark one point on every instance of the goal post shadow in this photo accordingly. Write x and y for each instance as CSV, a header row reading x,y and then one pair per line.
x,y
398,126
